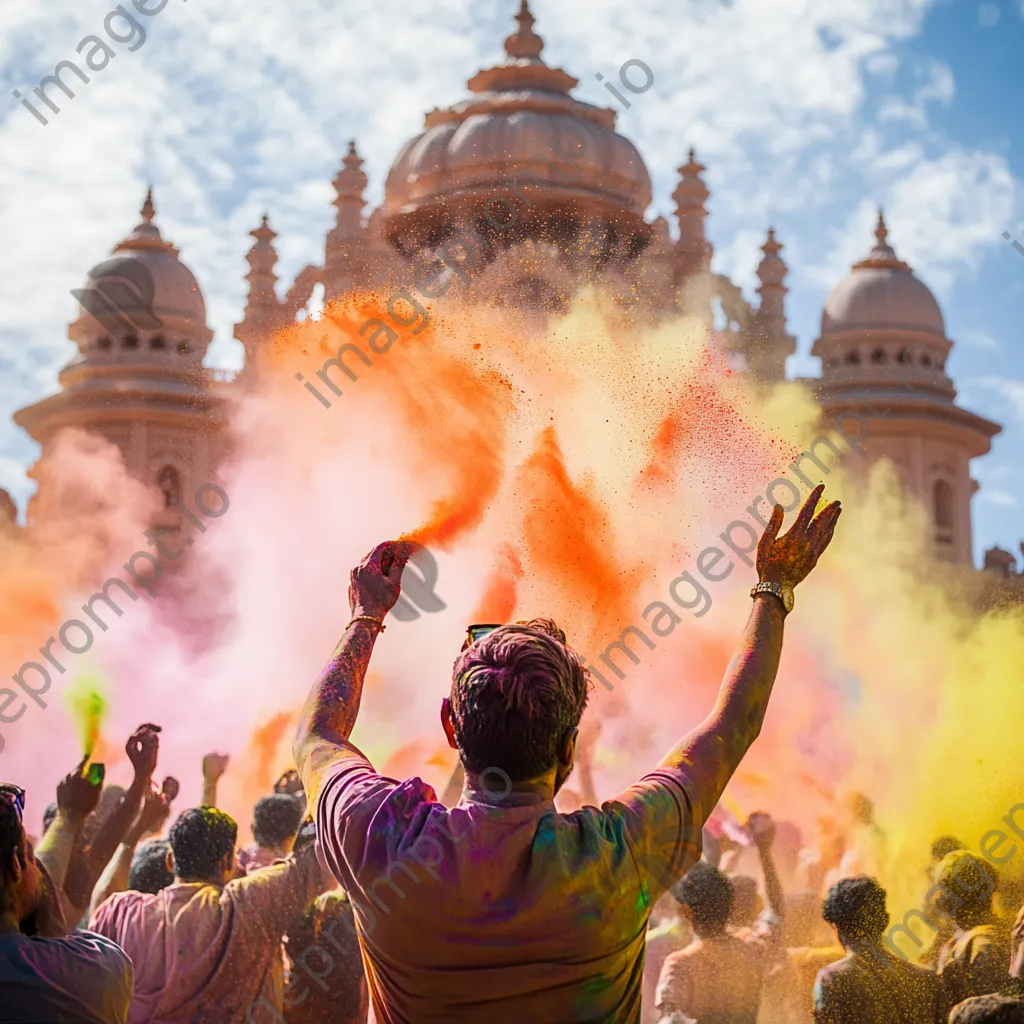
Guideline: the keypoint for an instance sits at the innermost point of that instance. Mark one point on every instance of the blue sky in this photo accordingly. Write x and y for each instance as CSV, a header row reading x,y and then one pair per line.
x,y
807,113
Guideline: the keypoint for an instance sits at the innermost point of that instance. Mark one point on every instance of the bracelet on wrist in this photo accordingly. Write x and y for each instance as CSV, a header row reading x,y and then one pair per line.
x,y
367,618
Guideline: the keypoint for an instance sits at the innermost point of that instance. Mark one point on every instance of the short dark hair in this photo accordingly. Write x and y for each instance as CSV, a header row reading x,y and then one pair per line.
x,y
968,882
149,867
945,845
200,839
856,906
708,894
990,1009
276,818
516,694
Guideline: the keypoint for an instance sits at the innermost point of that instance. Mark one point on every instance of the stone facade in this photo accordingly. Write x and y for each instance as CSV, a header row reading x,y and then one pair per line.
x,y
520,143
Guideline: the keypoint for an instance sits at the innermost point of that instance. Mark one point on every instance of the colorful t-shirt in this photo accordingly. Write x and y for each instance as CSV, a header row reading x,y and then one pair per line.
x,y
501,909
80,978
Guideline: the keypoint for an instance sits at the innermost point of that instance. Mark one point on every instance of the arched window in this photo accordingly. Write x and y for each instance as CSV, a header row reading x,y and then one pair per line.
x,y
169,482
105,342
131,341
904,356
879,356
853,358
183,348
157,342
926,360
942,501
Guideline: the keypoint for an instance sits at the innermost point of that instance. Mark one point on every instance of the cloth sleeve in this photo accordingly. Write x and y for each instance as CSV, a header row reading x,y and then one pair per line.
x,y
663,816
276,894
673,993
352,797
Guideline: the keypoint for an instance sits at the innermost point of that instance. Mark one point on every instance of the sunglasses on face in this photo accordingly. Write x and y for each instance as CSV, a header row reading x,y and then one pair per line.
x,y
476,632
17,797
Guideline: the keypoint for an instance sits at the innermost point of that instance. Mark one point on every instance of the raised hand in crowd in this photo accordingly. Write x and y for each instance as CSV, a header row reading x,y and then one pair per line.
x,y
89,861
153,814
214,766
77,798
761,830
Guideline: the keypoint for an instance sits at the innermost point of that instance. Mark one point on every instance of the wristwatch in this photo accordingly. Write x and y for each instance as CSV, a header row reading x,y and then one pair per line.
x,y
783,591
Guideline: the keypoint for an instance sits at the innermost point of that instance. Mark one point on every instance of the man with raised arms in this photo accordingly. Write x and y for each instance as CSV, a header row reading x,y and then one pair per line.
x,y
502,909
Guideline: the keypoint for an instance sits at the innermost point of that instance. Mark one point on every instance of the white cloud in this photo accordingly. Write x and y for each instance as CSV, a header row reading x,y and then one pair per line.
x,y
243,106
1009,390
979,339
989,15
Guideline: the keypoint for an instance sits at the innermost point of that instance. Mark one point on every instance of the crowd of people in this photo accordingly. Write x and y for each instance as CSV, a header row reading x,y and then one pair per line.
x,y
363,898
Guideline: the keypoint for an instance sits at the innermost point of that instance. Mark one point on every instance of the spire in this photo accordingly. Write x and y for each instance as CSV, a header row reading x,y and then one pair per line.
x,y
771,272
524,43
770,344
262,307
349,183
690,195
345,242
145,234
882,254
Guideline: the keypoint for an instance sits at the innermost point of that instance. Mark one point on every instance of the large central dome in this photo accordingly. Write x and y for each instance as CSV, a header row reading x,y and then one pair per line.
x,y
520,118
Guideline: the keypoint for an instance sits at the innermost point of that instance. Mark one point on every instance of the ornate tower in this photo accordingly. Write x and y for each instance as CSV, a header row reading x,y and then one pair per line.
x,y
770,344
138,379
883,350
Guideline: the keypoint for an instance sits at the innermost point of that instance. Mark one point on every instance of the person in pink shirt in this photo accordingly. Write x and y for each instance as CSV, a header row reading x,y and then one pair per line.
x,y
500,909
208,949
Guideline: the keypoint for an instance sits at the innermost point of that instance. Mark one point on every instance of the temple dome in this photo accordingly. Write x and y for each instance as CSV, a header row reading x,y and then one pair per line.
x,y
471,151
143,288
882,292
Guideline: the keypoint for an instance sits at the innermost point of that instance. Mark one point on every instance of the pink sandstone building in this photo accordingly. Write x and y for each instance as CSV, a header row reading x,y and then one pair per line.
x,y
522,148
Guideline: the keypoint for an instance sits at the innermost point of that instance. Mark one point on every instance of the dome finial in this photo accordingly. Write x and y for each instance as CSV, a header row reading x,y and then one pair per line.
x,y
524,42
882,253
148,211
881,231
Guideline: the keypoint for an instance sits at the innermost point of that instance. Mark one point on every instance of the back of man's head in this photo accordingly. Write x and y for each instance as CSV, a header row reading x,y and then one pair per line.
x,y
200,839
276,819
856,908
707,894
943,846
968,885
517,694
988,1010
149,867
746,901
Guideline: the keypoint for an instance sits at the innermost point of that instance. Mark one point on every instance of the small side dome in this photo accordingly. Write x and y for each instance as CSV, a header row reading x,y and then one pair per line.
x,y
882,292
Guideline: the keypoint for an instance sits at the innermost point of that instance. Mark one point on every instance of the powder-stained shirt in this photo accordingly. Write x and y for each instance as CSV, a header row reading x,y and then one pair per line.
x,y
867,988
974,963
205,955
501,909
717,980
76,979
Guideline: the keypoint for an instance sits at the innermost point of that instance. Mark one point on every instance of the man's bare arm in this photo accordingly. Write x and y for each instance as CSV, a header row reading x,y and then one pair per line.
x,y
719,743
330,712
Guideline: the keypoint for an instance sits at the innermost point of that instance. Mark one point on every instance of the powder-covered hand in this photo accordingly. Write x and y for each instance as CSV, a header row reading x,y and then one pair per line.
x,y
377,580
788,559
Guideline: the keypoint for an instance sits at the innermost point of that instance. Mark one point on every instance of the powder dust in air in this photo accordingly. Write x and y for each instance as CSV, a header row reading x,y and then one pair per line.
x,y
570,471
